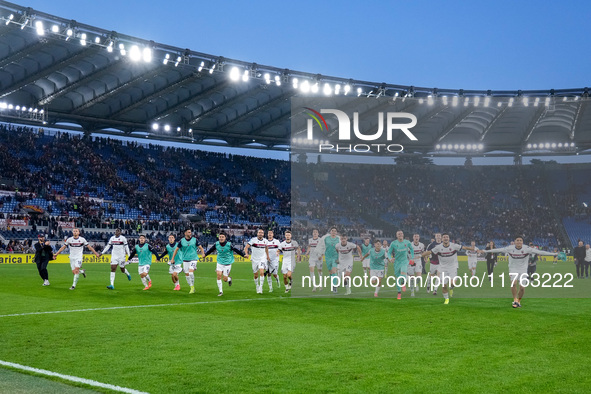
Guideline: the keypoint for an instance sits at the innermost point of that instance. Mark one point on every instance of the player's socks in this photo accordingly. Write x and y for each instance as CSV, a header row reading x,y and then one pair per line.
x,y
127,274
192,276
148,278
378,289
256,284
188,278
261,281
220,285
446,295
76,276
270,282
277,280
144,282
112,279
333,281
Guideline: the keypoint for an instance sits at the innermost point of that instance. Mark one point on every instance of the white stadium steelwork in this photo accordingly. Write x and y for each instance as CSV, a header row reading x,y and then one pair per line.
x,y
63,73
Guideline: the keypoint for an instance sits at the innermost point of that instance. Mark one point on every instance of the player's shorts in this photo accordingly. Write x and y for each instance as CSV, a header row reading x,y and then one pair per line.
x,y
315,261
75,263
273,267
365,262
433,268
472,264
414,269
376,273
120,262
224,268
331,263
518,269
286,267
517,272
175,268
259,265
347,267
143,269
447,274
189,265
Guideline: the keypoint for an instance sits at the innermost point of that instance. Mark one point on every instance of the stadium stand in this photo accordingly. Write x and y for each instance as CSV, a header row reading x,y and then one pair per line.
x,y
102,183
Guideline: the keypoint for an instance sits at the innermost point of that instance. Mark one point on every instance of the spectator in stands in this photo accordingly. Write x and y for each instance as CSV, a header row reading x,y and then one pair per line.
x,y
579,255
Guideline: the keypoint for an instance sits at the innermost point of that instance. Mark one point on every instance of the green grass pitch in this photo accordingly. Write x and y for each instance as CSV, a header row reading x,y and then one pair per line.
x,y
245,342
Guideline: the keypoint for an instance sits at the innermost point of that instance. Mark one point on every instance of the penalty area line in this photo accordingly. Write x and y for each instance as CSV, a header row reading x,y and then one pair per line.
x,y
141,306
75,379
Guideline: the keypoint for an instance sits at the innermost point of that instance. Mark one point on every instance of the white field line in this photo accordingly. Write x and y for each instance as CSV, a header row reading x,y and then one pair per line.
x,y
139,306
76,379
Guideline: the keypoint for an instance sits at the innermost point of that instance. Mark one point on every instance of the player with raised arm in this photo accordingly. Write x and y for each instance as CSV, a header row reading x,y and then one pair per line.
x,y
258,258
175,265
518,260
120,249
272,260
447,253
345,250
400,250
365,248
225,252
434,265
189,245
472,258
415,265
377,264
144,253
76,243
290,249
315,258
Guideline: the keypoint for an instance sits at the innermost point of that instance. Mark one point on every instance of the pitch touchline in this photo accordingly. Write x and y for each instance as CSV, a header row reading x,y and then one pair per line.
x,y
139,306
75,379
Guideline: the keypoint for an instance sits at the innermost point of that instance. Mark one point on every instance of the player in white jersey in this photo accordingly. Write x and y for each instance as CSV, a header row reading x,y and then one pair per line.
x,y
258,257
415,266
314,258
290,249
518,254
345,250
433,265
76,243
448,263
365,247
272,260
120,249
472,258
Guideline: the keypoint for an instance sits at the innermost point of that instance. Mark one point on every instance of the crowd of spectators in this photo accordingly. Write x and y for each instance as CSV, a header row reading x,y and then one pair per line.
x,y
108,183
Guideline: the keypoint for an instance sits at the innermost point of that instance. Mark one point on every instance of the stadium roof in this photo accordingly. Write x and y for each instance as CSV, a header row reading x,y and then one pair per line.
x,y
57,71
